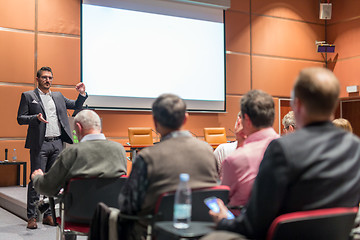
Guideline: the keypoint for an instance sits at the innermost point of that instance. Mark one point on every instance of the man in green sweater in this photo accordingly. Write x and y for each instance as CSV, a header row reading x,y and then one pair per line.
x,y
93,156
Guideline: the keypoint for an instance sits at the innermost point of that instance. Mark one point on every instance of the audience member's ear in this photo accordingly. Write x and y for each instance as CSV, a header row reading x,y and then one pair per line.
x,y
246,120
291,129
185,118
78,129
155,123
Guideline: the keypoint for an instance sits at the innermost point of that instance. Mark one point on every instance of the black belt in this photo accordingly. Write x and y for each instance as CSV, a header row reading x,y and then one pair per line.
x,y
51,139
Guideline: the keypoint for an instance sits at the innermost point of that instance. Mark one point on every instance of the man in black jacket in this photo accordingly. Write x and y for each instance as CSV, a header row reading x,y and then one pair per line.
x,y
316,167
45,113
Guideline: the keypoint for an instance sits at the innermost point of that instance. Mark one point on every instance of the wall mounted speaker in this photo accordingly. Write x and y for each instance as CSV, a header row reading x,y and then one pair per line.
x,y
325,10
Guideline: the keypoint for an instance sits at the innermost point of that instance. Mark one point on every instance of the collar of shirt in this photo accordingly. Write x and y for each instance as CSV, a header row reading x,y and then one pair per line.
x,y
175,134
259,135
42,93
90,137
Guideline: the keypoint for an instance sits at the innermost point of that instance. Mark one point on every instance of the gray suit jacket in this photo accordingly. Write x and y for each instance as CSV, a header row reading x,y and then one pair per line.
x,y
31,105
316,167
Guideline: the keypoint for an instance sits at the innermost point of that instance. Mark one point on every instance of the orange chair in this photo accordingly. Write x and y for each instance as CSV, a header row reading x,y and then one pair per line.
x,y
215,136
138,139
140,136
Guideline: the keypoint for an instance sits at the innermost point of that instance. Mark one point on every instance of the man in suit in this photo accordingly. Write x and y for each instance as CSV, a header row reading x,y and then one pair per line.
x,y
315,167
45,113
156,169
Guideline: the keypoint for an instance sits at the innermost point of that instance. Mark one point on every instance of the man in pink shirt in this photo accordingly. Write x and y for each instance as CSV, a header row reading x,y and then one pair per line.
x,y
242,166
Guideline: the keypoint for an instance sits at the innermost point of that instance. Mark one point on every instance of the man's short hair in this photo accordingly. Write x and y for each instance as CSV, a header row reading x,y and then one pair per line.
x,y
88,119
260,108
289,120
318,89
41,70
169,110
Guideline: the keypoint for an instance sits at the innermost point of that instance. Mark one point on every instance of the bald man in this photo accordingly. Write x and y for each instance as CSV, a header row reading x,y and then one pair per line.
x,y
316,167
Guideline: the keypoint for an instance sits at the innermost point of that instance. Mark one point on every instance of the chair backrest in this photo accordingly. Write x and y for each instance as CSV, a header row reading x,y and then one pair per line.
x,y
140,136
83,194
215,135
322,224
199,211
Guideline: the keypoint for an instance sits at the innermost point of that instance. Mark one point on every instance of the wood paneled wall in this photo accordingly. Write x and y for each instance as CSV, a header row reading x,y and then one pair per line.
x,y
267,43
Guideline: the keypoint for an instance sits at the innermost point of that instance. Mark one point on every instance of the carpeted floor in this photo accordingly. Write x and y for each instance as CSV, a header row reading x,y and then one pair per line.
x,y
14,228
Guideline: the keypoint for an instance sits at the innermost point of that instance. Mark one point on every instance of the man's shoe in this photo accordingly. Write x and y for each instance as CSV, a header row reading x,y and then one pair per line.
x,y
32,223
48,220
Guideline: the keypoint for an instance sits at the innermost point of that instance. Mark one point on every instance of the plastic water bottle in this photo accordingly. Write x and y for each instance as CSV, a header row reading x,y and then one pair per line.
x,y
182,203
14,158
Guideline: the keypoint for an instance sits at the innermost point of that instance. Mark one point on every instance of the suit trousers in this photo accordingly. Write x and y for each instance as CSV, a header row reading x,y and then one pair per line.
x,y
41,159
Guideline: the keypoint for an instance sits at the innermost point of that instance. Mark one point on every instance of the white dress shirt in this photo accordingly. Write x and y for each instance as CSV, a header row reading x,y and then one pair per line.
x,y
53,127
89,137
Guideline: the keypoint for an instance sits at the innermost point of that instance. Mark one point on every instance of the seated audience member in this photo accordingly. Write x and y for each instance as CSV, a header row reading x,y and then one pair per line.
x,y
343,123
289,122
316,167
241,167
157,168
93,156
225,149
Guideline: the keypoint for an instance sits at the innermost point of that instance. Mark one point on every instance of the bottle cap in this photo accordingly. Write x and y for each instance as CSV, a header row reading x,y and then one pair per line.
x,y
184,177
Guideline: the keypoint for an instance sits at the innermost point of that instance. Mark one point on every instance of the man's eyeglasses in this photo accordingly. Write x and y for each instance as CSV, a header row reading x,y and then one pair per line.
x,y
46,77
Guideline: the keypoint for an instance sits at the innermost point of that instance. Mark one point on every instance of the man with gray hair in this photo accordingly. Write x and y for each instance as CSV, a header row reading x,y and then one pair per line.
x,y
289,122
93,156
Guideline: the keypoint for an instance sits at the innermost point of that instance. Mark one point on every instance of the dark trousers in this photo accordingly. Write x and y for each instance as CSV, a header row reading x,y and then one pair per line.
x,y
43,160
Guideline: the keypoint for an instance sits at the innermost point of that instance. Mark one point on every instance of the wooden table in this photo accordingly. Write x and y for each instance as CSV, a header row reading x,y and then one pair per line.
x,y
18,170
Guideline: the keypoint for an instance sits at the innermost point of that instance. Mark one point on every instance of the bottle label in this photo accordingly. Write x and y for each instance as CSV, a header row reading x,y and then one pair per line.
x,y
182,211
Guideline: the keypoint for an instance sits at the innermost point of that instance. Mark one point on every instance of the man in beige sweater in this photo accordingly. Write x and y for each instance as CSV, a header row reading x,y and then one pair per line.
x,y
156,169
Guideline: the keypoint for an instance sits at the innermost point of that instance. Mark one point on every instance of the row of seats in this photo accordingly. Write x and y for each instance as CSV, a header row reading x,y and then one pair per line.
x,y
81,198
82,195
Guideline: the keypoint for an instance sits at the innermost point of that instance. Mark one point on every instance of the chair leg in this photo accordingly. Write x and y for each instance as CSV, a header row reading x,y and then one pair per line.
x,y
52,207
62,216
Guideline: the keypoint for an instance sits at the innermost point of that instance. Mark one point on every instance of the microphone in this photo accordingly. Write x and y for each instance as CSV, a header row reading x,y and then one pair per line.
x,y
193,133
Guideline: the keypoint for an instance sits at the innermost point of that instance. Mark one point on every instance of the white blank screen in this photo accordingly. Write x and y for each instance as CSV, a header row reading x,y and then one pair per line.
x,y
131,57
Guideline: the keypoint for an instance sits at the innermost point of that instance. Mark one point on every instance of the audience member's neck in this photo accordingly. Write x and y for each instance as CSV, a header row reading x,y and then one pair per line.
x,y
89,131
255,129
165,131
313,119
